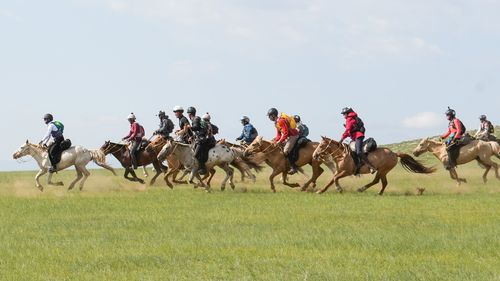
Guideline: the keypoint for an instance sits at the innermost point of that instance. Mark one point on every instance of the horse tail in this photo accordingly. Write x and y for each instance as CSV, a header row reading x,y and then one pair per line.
x,y
412,165
251,164
100,159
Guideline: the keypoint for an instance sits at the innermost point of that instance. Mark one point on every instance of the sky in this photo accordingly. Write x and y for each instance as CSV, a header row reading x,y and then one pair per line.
x,y
398,63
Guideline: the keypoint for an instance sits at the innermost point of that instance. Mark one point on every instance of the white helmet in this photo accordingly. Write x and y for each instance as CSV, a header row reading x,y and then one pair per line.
x,y
206,117
178,108
131,116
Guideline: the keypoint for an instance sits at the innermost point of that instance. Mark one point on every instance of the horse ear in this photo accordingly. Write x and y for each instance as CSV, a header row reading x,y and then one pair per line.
x,y
27,142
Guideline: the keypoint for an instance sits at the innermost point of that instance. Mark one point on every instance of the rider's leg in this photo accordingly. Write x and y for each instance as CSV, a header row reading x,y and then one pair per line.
x,y
55,154
289,146
133,153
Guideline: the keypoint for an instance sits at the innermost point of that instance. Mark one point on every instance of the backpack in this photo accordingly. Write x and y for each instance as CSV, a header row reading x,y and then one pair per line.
x,y
462,126
59,126
141,130
253,133
360,126
491,129
170,126
290,120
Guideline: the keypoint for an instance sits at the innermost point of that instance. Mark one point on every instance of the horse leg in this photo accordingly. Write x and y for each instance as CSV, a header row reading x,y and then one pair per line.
x,y
184,174
127,172
167,174
132,172
145,171
229,176
292,185
49,181
158,171
317,171
271,179
454,175
212,174
374,182
338,175
37,178
86,174
487,169
384,184
79,175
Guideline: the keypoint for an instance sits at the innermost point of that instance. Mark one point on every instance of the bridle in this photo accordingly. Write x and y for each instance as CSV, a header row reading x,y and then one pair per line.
x,y
111,147
269,149
334,154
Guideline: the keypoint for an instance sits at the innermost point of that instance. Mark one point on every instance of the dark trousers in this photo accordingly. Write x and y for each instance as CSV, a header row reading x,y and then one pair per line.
x,y
136,144
453,153
55,151
201,150
293,156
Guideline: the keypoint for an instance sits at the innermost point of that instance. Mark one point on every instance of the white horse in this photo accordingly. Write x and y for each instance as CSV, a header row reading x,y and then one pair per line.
x,y
220,155
77,156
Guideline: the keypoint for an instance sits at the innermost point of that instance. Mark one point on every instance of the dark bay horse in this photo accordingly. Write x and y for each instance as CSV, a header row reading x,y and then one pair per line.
x,y
383,159
122,153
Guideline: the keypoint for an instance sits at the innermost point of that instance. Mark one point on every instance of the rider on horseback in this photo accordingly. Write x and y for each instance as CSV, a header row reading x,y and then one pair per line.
x,y
203,139
301,141
214,129
55,130
453,136
135,138
285,135
485,130
355,130
249,132
166,125
184,133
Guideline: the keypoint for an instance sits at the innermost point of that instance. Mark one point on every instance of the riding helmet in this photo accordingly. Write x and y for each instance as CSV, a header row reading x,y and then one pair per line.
x,y
48,118
297,118
161,113
191,110
346,110
482,117
272,111
245,119
178,108
131,116
450,112
207,117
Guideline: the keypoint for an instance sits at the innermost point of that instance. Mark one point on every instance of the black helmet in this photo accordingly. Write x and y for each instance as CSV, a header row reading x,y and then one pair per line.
x,y
482,117
48,118
346,110
272,111
161,113
191,110
450,112
297,118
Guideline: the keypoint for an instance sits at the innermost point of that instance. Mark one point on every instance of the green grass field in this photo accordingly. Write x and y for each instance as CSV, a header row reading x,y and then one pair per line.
x,y
116,230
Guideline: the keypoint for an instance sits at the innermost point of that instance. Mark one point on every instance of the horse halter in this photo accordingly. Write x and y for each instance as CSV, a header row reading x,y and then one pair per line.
x,y
334,152
112,146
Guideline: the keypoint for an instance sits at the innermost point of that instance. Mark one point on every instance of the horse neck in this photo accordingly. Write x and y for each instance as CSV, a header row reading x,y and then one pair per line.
x,y
272,154
437,149
38,154
120,154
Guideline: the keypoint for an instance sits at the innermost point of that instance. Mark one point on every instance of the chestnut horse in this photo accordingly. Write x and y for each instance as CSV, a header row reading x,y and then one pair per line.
x,y
475,150
122,153
275,158
383,159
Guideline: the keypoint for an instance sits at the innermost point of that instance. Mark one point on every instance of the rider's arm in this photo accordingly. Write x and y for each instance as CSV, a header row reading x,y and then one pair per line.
x,y
50,128
284,131
445,135
348,128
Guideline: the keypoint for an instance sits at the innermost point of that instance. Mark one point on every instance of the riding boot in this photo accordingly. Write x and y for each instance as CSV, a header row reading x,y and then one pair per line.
x,y
364,159
202,170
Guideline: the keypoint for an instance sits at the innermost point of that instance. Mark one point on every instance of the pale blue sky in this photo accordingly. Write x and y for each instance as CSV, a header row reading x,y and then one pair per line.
x,y
398,63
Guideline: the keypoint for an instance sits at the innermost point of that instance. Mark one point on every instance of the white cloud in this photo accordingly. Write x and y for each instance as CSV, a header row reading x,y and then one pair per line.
x,y
423,120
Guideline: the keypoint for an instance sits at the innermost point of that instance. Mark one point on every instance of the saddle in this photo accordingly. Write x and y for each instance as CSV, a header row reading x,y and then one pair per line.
x,y
369,145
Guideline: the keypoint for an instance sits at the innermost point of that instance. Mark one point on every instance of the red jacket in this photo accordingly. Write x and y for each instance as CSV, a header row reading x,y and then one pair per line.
x,y
136,132
350,124
453,128
283,130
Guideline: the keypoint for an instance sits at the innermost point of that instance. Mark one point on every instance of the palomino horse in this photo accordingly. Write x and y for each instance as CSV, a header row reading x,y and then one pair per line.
x,y
275,158
383,159
475,150
122,153
220,156
74,156
174,165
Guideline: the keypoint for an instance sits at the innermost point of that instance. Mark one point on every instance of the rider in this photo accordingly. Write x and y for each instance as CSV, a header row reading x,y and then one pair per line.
x,y
214,129
485,130
184,133
355,130
166,125
55,130
301,141
249,132
135,138
455,132
203,139
285,135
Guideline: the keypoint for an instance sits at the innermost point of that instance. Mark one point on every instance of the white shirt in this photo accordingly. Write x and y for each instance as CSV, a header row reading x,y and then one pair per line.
x,y
50,128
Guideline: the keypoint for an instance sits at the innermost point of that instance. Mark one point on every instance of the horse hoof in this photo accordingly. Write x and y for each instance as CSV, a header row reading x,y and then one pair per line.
x,y
340,191
319,192
360,190
40,188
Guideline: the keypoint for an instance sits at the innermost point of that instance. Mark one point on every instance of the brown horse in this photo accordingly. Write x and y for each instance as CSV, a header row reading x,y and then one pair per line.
x,y
475,150
275,158
122,154
383,159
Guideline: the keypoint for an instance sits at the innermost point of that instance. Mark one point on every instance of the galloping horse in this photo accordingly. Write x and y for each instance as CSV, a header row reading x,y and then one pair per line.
x,y
242,166
122,153
383,159
476,150
220,156
77,156
275,158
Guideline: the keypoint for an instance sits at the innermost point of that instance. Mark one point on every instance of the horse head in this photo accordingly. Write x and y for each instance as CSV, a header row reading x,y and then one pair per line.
x,y
22,151
156,144
254,147
422,147
325,148
166,150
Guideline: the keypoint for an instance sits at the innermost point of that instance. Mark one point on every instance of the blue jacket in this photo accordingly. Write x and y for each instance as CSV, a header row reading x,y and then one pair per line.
x,y
249,134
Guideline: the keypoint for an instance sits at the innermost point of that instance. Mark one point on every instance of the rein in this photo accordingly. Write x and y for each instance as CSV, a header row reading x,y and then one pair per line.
x,y
334,152
112,146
